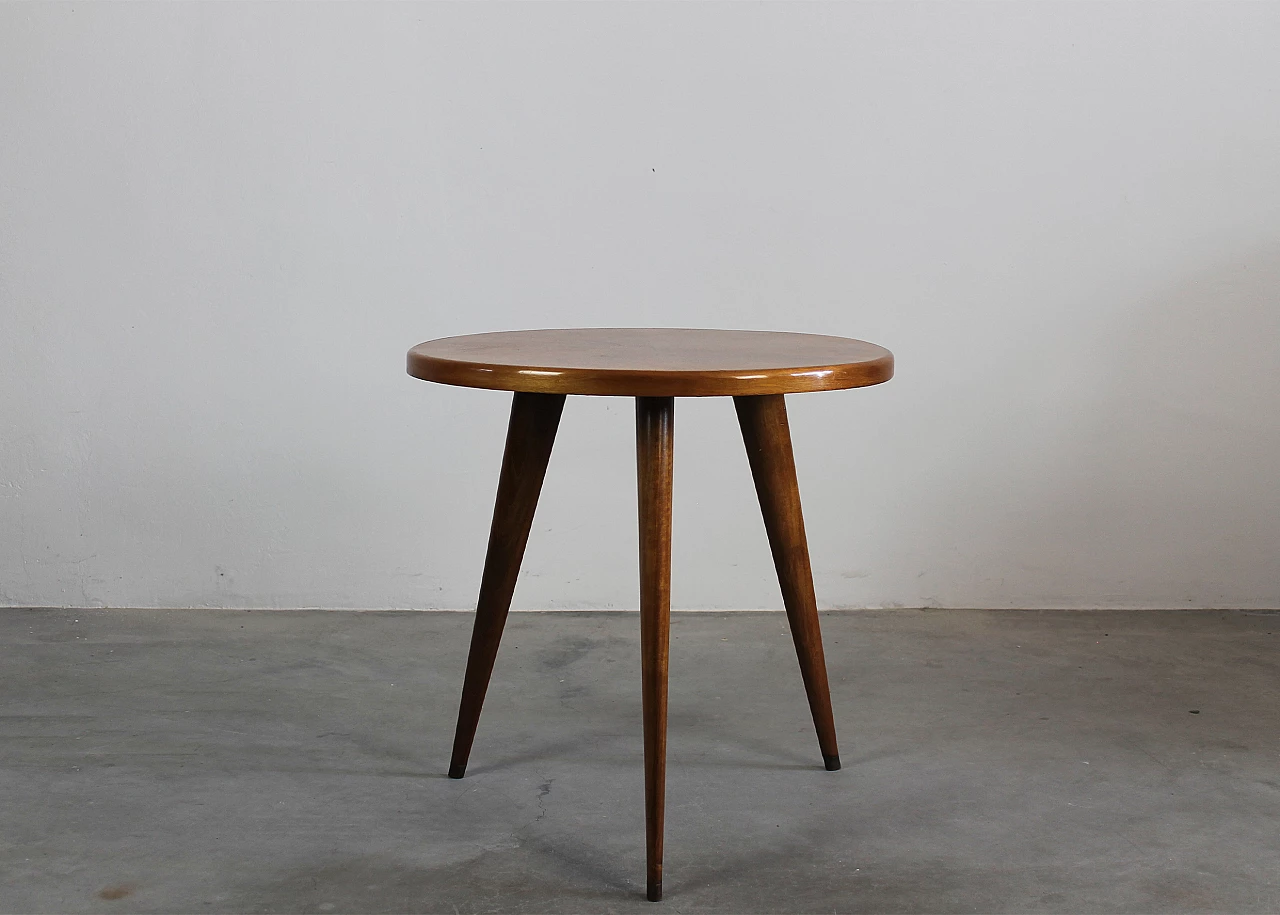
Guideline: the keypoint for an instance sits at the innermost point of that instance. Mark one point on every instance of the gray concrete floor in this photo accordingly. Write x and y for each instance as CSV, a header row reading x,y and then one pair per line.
x,y
224,761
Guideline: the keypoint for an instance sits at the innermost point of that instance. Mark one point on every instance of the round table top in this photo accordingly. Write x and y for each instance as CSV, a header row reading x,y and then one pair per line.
x,y
651,362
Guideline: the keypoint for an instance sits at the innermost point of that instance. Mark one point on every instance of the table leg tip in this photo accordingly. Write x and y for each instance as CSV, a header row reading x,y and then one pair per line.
x,y
655,891
832,762
457,770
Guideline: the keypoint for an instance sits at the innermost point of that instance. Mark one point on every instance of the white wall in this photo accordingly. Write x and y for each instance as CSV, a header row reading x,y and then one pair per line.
x,y
222,226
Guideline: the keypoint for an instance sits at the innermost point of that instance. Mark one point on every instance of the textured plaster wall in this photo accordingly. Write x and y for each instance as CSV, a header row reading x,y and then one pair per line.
x,y
222,225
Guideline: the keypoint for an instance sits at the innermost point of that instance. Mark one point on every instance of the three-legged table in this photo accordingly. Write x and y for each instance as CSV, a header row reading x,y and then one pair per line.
x,y
654,366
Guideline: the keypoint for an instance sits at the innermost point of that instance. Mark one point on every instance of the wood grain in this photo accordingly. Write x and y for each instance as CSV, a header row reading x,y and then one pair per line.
x,y
652,362
531,432
654,461
767,437
654,365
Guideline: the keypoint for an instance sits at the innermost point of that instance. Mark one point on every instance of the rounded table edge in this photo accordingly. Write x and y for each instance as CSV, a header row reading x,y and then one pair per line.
x,y
647,383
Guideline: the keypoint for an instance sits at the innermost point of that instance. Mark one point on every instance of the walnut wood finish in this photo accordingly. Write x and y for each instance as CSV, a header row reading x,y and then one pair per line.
x,y
531,432
768,440
654,452
655,366
651,362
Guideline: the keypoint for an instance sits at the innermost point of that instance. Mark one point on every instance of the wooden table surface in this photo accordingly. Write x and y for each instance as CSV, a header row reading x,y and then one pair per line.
x,y
651,362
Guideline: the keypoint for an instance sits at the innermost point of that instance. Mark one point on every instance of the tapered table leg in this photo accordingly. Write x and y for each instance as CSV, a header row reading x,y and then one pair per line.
x,y
530,434
654,431
765,433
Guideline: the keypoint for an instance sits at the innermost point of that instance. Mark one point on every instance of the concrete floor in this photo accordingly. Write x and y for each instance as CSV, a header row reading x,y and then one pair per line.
x,y
224,761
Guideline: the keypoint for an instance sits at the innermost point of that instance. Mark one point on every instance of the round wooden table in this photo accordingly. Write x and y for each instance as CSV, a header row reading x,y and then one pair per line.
x,y
654,366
